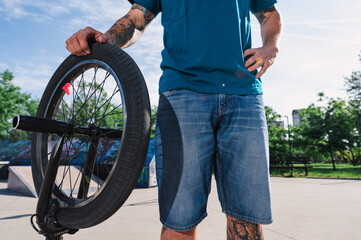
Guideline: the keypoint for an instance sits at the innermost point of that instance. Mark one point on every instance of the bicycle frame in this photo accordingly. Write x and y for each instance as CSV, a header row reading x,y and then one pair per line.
x,y
47,207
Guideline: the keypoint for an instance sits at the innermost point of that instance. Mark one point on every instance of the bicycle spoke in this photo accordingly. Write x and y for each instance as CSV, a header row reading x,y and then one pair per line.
x,y
79,173
108,101
86,100
95,100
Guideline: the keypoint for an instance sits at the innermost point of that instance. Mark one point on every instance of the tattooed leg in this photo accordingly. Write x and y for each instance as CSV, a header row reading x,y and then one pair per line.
x,y
242,230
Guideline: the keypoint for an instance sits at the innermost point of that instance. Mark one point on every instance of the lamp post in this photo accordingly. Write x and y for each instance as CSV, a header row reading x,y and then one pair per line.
x,y
289,145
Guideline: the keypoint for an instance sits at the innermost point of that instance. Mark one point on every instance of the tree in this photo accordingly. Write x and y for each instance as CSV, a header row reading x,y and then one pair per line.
x,y
307,139
353,88
327,129
278,145
13,102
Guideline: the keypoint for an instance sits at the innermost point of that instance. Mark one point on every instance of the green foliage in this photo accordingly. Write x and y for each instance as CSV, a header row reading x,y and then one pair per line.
x,y
278,144
328,129
87,108
153,120
322,170
13,102
353,88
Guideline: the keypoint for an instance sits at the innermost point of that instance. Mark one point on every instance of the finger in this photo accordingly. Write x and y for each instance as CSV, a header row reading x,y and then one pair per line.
x,y
83,43
70,46
251,61
249,52
263,70
259,60
82,54
75,45
254,67
101,38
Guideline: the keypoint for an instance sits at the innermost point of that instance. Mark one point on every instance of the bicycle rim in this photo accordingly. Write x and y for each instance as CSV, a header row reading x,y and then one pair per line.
x,y
89,95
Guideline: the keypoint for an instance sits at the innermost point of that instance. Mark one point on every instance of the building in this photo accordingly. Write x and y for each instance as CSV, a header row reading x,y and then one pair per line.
x,y
296,117
280,124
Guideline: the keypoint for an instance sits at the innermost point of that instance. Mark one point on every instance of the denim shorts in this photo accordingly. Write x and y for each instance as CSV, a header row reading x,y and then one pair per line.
x,y
198,134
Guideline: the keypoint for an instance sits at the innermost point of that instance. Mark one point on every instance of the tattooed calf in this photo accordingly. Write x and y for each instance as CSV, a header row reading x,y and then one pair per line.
x,y
241,230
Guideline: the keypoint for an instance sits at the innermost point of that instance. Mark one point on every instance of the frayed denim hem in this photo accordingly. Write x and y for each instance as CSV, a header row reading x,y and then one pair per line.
x,y
182,229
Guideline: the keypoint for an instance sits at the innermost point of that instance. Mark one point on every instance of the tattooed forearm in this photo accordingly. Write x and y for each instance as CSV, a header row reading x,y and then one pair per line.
x,y
120,34
129,28
241,230
261,15
148,15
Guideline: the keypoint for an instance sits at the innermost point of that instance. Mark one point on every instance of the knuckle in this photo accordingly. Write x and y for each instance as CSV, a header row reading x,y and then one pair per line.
x,y
88,28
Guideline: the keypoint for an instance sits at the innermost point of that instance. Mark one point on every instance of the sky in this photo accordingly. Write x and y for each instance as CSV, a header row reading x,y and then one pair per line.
x,y
320,45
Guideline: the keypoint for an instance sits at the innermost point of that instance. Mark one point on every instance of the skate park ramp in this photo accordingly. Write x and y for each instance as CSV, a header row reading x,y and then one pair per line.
x,y
20,180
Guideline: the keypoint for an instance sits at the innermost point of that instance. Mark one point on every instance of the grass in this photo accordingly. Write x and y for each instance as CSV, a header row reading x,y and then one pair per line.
x,y
322,170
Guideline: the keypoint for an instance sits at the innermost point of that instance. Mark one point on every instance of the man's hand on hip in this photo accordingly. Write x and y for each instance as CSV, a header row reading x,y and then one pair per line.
x,y
260,57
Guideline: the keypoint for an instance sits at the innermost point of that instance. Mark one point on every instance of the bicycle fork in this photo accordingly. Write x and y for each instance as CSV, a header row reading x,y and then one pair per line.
x,y
47,207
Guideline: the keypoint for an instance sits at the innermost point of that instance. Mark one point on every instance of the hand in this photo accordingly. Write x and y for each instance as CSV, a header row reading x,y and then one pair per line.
x,y
260,57
78,44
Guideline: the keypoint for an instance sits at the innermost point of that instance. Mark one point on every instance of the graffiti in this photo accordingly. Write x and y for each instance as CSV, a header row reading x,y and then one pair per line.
x,y
147,177
74,153
17,153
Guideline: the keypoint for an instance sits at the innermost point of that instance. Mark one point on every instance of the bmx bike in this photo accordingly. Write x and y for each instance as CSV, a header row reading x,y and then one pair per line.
x,y
92,104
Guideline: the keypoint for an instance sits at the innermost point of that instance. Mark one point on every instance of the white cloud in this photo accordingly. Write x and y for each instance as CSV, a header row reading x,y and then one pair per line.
x,y
323,39
37,10
3,66
326,27
327,21
32,77
78,11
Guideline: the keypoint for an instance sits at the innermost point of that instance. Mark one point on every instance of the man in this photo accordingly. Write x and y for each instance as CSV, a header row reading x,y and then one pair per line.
x,y
211,113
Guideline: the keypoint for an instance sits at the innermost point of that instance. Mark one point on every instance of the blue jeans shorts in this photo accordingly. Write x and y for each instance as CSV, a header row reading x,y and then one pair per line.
x,y
197,134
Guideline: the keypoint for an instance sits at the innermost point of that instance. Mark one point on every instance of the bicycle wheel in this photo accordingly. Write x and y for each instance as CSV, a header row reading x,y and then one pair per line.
x,y
103,90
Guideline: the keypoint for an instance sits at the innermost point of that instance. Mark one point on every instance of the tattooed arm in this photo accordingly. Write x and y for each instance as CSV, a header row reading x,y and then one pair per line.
x,y
270,21
129,28
271,28
122,34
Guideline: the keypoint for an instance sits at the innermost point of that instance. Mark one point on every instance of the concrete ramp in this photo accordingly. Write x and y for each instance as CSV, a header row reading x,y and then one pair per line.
x,y
21,181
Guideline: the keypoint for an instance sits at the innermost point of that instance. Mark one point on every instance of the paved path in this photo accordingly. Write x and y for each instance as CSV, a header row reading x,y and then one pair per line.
x,y
304,209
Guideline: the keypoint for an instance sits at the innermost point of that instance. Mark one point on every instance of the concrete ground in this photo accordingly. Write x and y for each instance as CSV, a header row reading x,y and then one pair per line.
x,y
303,209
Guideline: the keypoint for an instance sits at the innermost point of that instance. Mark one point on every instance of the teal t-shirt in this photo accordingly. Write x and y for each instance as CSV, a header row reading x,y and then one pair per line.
x,y
204,41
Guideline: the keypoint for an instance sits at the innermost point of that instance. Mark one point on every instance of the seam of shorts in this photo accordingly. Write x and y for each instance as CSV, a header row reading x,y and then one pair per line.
x,y
246,218
186,228
220,183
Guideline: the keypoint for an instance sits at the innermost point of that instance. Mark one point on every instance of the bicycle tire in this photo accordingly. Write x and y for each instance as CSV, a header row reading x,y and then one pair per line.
x,y
133,144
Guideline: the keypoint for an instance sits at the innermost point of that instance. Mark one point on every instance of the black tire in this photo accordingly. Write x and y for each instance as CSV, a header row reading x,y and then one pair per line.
x,y
124,168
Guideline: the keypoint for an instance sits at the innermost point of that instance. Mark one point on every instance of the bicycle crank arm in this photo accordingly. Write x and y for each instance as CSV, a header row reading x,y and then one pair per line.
x,y
43,125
